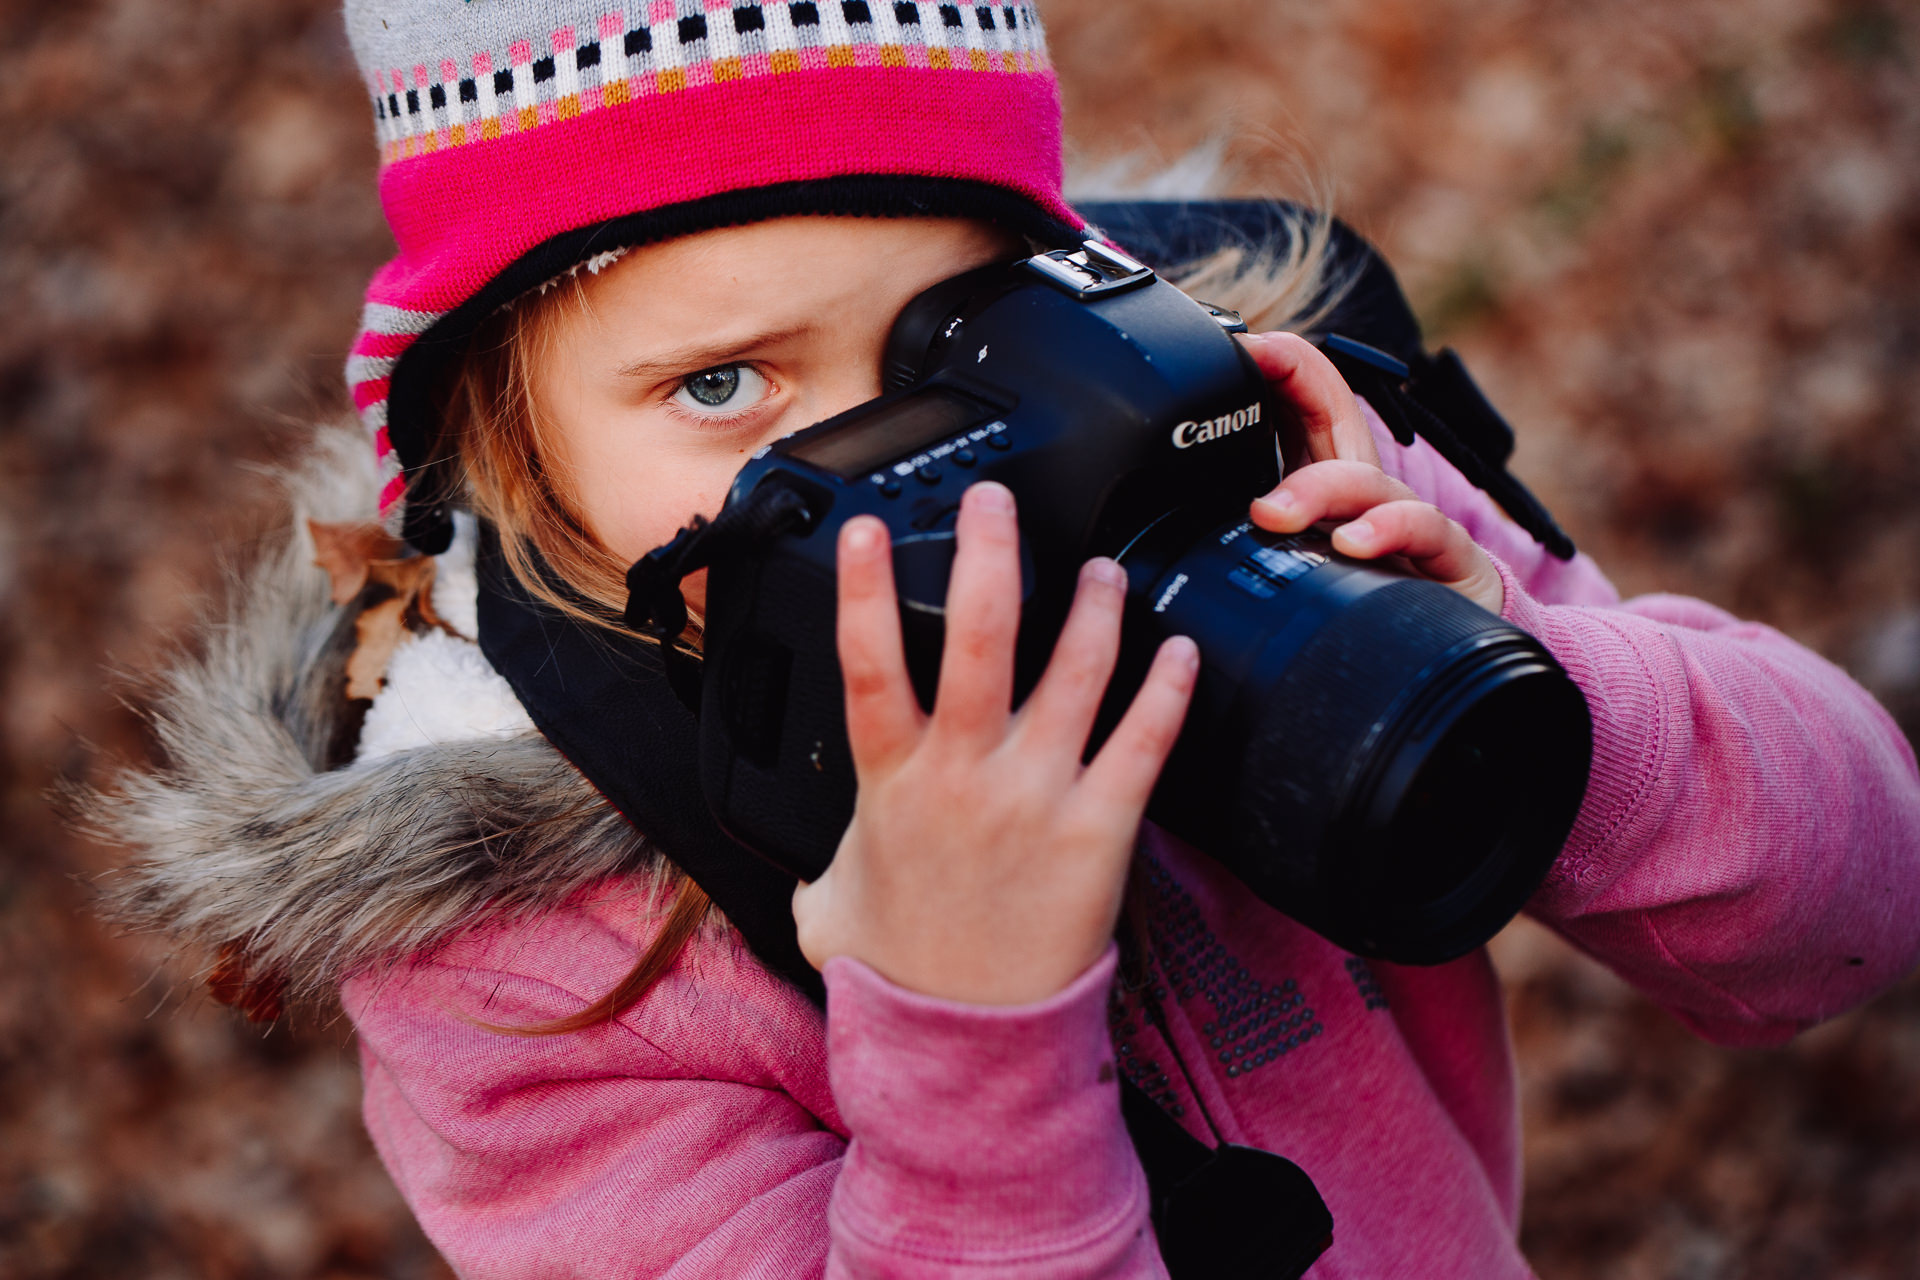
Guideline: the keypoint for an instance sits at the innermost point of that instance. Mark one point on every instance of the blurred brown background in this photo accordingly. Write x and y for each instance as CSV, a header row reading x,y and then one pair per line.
x,y
1679,241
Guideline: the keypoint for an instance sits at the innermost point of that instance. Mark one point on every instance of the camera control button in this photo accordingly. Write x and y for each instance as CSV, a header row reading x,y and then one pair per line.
x,y
998,440
929,474
965,457
889,488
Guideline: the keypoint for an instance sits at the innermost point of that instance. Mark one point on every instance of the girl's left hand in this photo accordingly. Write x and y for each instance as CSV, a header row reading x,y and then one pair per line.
x,y
1343,481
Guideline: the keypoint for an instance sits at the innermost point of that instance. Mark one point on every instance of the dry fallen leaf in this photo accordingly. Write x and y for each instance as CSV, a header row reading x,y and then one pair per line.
x,y
365,562
346,551
412,580
379,630
385,622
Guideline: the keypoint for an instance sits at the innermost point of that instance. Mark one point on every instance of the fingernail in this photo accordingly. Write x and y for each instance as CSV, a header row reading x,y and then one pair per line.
x,y
861,537
989,496
1106,572
1277,506
1185,653
1360,533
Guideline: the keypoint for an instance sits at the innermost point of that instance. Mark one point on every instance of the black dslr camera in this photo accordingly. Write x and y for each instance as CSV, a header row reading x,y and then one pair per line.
x,y
1370,753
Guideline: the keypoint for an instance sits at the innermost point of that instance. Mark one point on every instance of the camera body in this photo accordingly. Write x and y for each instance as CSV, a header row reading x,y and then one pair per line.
x,y
1100,411
1335,704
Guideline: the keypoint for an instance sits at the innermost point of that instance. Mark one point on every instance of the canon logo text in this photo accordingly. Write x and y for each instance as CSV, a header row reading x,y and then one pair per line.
x,y
1190,433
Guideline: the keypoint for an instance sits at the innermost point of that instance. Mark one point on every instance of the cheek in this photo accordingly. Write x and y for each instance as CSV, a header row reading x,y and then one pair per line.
x,y
631,493
635,475
693,589
633,503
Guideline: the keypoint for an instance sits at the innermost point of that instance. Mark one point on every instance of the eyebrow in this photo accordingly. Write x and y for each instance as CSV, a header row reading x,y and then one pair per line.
x,y
704,354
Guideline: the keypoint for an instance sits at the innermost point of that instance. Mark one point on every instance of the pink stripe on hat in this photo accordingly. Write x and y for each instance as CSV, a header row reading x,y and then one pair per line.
x,y
370,393
393,493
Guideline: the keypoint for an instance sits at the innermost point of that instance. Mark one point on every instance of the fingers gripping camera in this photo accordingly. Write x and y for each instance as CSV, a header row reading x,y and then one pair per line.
x,y
1372,754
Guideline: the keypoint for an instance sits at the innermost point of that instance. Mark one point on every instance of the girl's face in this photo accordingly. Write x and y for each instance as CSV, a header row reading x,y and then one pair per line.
x,y
692,353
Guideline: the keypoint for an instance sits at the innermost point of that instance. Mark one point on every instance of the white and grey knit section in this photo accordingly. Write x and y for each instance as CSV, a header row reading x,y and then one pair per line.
x,y
385,334
592,266
433,65
383,328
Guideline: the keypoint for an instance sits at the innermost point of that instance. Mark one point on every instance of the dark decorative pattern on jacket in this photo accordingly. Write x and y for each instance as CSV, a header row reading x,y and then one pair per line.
x,y
1366,983
1251,1024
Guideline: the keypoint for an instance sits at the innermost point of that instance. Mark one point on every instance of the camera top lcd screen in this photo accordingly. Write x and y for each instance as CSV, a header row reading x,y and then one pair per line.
x,y
893,431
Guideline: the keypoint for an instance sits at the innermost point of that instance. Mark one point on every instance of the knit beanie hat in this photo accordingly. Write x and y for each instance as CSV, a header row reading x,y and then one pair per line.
x,y
522,138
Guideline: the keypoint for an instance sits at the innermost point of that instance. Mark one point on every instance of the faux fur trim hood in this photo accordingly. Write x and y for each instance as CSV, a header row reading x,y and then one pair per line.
x,y
263,842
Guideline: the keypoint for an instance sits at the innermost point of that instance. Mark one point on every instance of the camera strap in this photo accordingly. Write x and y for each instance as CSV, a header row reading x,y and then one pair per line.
x,y
657,607
1205,1197
608,703
1440,401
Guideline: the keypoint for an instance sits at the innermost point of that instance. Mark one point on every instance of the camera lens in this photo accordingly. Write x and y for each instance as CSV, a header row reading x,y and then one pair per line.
x,y
1374,755
1444,825
1466,802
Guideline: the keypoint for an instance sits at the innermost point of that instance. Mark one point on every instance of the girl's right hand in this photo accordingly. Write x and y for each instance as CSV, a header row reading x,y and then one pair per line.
x,y
984,862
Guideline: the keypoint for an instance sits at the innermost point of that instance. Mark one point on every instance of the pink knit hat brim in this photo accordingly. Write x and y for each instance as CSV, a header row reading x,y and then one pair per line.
x,y
462,217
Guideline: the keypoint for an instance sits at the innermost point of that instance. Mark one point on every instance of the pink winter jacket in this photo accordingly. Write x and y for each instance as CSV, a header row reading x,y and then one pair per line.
x,y
1748,855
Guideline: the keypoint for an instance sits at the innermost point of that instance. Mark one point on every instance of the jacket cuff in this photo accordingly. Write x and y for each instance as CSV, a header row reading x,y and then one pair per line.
x,y
1629,682
980,1131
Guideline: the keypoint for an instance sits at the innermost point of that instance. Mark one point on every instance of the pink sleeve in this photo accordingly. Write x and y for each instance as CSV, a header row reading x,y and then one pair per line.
x,y
1749,850
982,1141
1748,853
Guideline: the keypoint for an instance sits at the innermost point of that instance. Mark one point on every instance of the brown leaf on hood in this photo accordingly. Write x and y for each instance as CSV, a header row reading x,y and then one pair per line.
x,y
406,606
379,630
347,552
364,562
412,581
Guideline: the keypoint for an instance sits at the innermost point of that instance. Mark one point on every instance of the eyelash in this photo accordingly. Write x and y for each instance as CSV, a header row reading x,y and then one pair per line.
x,y
711,419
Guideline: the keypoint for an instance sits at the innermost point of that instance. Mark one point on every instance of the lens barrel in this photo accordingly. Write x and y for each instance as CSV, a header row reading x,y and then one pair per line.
x,y
1372,754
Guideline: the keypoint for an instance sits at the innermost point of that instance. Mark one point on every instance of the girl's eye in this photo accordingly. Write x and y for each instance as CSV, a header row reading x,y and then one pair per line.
x,y
737,387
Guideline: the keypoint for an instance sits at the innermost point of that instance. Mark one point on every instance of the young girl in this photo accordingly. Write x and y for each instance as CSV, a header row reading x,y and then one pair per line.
x,y
636,243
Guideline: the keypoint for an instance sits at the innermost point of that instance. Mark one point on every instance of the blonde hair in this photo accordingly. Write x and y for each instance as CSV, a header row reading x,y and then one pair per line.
x,y
1272,286
501,449
494,436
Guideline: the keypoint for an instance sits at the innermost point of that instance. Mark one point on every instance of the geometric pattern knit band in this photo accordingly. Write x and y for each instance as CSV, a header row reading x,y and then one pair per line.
x,y
661,47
